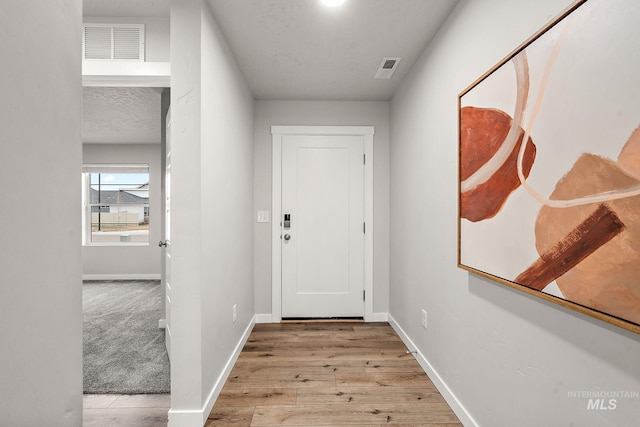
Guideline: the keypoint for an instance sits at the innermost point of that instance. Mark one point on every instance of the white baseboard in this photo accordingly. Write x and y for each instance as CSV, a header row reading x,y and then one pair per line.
x,y
217,388
264,318
198,418
379,317
457,407
121,277
185,418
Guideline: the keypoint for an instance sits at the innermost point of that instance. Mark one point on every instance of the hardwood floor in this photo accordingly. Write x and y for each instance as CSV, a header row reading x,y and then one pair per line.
x,y
143,410
328,374
305,374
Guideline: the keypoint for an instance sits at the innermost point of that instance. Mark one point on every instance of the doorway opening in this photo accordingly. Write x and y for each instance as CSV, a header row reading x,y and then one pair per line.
x,y
117,130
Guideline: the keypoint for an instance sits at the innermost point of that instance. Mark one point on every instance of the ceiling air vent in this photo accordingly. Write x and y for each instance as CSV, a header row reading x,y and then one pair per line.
x,y
117,42
387,67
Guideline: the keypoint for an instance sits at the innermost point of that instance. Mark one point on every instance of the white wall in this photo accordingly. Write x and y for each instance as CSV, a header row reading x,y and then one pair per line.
x,y
509,358
127,262
268,113
212,228
40,148
227,200
156,35
186,264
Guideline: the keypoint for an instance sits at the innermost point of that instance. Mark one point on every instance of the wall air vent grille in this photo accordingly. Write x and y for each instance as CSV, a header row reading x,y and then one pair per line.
x,y
387,67
389,64
115,42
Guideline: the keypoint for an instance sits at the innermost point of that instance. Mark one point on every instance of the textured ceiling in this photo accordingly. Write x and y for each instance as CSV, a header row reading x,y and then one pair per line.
x,y
121,115
300,49
286,49
125,8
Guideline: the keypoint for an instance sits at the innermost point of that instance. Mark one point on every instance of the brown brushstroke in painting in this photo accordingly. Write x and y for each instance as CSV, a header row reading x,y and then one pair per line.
x,y
482,132
609,279
599,228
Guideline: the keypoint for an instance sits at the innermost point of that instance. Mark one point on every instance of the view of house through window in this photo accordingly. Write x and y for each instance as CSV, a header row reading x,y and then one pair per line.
x,y
116,204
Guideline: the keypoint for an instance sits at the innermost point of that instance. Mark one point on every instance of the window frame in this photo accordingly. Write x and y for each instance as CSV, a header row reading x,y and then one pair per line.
x,y
87,207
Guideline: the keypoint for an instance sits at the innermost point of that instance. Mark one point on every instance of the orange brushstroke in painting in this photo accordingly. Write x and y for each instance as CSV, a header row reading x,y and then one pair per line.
x,y
482,131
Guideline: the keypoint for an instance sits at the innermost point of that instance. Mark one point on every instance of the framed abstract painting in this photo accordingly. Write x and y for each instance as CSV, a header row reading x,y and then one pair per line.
x,y
549,165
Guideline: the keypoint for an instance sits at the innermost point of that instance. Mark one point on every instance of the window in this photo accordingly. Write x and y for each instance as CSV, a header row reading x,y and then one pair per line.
x,y
116,204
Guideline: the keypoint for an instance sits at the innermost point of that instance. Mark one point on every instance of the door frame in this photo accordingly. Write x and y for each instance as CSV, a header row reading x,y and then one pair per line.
x,y
165,118
277,132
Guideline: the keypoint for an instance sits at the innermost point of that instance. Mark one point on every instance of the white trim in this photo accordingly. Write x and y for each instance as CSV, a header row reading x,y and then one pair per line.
x,y
121,276
276,207
162,324
379,317
322,130
115,168
184,418
114,244
217,388
276,215
126,74
263,318
368,219
126,81
181,418
457,406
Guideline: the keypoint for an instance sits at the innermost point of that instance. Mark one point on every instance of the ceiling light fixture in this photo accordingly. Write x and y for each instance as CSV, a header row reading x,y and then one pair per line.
x,y
332,3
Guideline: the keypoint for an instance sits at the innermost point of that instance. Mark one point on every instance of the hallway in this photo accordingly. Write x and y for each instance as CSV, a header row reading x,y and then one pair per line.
x,y
328,373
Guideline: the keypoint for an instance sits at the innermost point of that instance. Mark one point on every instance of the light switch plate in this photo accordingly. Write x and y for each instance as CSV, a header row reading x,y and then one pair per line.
x,y
263,216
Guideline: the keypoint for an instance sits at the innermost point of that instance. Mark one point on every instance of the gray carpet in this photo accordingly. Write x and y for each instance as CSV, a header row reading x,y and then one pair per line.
x,y
124,350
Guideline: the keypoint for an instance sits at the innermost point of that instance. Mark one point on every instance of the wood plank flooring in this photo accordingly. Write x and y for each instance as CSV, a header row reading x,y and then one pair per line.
x,y
328,374
143,410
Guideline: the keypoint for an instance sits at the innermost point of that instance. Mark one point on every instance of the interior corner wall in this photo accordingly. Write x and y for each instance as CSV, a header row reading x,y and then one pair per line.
x,y
227,203
40,222
321,113
507,357
211,210
127,262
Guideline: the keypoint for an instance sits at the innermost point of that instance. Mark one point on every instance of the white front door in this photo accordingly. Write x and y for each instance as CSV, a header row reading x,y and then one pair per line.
x,y
323,226
167,234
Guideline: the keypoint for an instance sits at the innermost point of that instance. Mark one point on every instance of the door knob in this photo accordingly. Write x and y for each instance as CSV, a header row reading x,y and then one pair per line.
x,y
287,237
161,243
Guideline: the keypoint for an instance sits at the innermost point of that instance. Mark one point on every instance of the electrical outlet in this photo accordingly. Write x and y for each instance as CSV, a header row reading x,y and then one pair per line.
x,y
424,318
235,312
